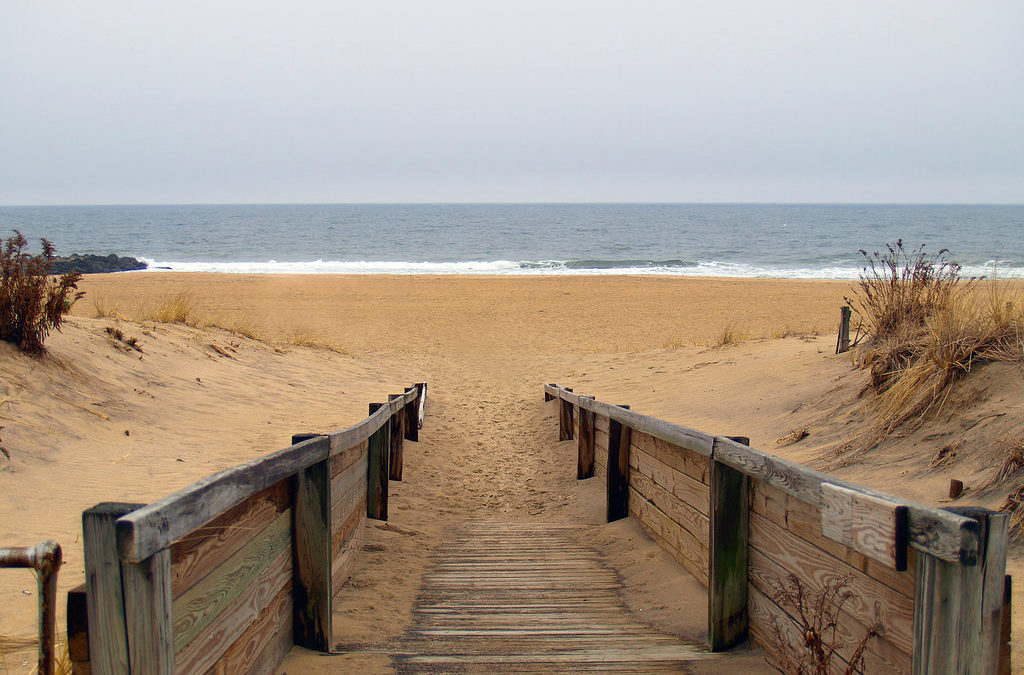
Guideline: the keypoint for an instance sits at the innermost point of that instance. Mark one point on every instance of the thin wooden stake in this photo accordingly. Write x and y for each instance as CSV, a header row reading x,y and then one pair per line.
x,y
843,344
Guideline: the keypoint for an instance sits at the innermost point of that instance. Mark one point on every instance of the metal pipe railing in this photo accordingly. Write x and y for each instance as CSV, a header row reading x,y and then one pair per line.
x,y
46,558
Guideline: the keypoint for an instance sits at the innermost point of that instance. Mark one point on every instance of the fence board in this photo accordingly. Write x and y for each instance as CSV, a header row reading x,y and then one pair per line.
x,y
195,609
691,491
804,520
207,647
264,644
347,457
681,512
694,465
688,551
193,556
875,527
870,600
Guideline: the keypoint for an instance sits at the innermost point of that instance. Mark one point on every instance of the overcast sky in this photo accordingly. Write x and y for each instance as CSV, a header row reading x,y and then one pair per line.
x,y
384,101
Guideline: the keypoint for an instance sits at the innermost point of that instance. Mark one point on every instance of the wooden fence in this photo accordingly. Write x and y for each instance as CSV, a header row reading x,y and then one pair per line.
x,y
227,574
742,521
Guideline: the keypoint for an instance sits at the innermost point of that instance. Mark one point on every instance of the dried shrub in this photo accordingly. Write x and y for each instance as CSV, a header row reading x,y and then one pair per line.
x,y
1014,505
31,302
1011,464
926,326
179,308
817,616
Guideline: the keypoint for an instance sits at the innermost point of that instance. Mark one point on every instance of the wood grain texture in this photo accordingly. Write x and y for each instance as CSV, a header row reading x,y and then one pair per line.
x,y
687,550
565,420
804,520
311,544
412,426
108,633
764,614
689,490
193,556
147,603
685,515
344,559
158,525
202,604
727,564
775,552
343,459
396,458
261,648
211,644
345,529
685,461
873,526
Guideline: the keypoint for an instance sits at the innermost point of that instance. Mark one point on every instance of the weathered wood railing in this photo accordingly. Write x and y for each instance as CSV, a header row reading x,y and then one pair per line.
x,y
227,574
45,559
741,521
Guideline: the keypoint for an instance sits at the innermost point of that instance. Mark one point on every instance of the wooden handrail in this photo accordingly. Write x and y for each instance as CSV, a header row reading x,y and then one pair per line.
x,y
945,535
156,526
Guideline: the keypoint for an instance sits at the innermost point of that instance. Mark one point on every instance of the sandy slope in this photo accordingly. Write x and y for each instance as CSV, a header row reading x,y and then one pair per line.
x,y
211,399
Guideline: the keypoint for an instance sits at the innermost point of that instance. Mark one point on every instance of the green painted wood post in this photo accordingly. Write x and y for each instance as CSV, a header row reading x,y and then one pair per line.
x,y
619,438
727,569
108,631
312,607
377,470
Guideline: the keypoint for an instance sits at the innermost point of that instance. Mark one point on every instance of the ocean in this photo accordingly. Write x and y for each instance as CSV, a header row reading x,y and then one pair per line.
x,y
818,241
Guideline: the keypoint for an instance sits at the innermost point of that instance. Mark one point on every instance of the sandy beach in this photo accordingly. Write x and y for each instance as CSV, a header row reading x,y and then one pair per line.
x,y
98,421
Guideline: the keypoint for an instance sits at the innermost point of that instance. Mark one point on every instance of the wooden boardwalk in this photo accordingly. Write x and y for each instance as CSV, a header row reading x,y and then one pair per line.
x,y
525,598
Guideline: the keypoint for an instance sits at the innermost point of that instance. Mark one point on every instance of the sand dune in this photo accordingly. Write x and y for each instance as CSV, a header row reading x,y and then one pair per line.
x,y
97,420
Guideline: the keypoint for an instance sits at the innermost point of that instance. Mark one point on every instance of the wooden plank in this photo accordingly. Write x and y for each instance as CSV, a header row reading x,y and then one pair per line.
x,y
880,657
377,472
202,604
804,520
311,572
1006,628
261,648
344,529
694,465
682,513
199,655
618,462
603,422
348,457
585,446
789,554
147,602
193,556
873,526
108,633
940,533
691,491
727,568
156,526
395,458
78,630
421,394
345,558
688,551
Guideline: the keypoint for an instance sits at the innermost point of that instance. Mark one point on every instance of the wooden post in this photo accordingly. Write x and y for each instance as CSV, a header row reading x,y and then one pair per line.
x,y
585,445
957,607
843,344
412,426
619,437
1006,628
422,408
548,396
311,573
397,433
565,421
147,604
727,569
108,632
377,471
